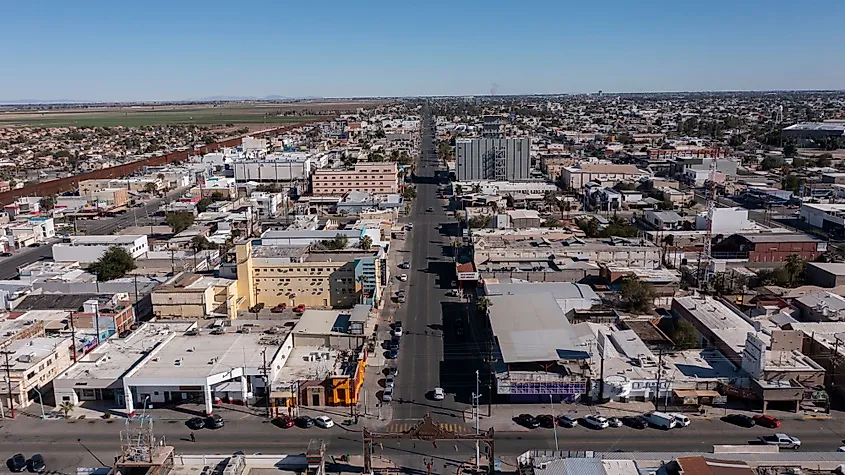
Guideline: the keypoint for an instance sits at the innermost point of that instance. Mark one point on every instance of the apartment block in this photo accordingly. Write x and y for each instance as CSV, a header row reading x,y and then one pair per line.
x,y
377,178
293,275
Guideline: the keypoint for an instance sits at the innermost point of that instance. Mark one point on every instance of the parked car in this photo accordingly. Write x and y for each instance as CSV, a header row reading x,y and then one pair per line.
x,y
546,420
214,421
397,329
392,371
401,298
17,463
299,308
6,254
439,394
405,265
35,244
661,420
392,354
564,420
614,422
402,277
325,422
387,395
389,382
429,210
635,422
36,464
527,420
596,422
304,422
680,420
767,421
279,308
195,423
284,422
740,420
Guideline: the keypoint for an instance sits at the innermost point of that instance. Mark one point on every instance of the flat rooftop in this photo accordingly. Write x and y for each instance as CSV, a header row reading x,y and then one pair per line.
x,y
30,352
203,355
339,256
279,251
323,322
309,362
532,327
724,323
108,239
115,356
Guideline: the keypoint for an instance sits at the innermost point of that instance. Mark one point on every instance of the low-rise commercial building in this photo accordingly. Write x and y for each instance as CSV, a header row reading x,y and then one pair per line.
x,y
193,296
87,249
769,247
825,274
32,365
574,178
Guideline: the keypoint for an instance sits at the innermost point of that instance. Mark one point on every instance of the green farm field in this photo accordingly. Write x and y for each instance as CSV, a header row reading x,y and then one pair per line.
x,y
139,117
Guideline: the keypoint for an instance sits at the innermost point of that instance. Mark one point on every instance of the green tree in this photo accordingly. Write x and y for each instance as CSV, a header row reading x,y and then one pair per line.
x,y
483,304
339,242
565,207
770,163
637,295
789,149
113,264
179,220
200,243
553,222
681,332
590,227
795,267
47,203
459,190
477,222
66,408
366,243
203,204
409,193
150,188
792,183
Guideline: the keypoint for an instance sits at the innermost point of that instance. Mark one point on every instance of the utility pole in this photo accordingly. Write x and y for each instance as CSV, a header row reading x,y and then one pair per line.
x,y
490,382
601,375
659,373
9,384
266,382
476,396
73,335
554,425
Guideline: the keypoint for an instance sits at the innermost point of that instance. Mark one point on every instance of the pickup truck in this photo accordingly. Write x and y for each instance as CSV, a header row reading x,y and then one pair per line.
x,y
782,440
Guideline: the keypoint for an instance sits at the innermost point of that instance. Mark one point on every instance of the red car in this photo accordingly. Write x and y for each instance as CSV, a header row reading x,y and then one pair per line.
x,y
767,421
285,421
279,308
299,308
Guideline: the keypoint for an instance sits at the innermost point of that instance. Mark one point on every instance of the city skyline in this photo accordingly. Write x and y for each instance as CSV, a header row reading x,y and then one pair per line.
x,y
189,51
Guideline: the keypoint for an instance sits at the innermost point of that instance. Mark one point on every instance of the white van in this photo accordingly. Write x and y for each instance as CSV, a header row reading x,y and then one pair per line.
x,y
660,420
680,419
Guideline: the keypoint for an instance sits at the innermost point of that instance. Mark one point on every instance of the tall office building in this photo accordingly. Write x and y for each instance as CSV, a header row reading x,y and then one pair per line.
x,y
492,159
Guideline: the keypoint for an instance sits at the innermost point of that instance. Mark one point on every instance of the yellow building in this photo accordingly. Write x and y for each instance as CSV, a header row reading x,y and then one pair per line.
x,y
294,275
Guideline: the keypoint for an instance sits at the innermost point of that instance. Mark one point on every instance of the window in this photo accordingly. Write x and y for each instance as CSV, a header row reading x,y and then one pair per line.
x,y
30,375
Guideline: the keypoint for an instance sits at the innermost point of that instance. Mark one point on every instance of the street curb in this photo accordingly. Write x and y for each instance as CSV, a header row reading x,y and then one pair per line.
x,y
816,416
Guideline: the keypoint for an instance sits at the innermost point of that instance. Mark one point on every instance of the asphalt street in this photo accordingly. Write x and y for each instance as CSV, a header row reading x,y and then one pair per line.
x,y
81,443
9,265
421,356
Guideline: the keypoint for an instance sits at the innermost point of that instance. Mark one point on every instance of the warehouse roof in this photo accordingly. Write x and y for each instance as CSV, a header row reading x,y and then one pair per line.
x,y
532,327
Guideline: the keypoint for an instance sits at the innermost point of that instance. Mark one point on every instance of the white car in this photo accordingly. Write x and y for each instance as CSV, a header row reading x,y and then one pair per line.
x,y
389,381
324,421
614,422
387,395
439,395
597,422
681,420
403,277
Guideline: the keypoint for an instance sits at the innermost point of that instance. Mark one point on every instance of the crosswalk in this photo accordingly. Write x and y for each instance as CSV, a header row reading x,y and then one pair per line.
x,y
402,427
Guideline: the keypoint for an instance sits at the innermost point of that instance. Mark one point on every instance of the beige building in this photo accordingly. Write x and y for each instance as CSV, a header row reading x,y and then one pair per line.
x,y
553,165
112,197
377,178
33,363
606,174
197,296
293,275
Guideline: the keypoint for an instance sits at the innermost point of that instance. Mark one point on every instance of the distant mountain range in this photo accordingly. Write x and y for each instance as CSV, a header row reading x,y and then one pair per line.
x,y
43,101
254,98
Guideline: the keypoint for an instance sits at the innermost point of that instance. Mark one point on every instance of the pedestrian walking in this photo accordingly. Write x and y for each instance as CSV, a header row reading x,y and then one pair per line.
x,y
193,438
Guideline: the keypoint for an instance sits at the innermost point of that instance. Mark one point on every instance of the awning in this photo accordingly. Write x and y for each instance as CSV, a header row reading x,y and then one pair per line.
x,y
696,393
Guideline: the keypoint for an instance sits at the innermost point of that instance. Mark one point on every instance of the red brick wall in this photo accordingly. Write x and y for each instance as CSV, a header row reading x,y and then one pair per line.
x,y
779,251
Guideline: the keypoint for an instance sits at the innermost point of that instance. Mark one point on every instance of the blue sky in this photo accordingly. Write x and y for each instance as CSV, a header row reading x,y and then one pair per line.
x,y
185,49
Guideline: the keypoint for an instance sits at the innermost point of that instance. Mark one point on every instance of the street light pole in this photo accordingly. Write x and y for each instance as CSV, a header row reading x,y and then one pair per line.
x,y
9,384
40,401
476,396
554,422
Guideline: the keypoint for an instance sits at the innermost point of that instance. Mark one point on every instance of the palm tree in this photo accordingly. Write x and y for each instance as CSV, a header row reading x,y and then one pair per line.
x,y
564,207
794,268
366,242
550,200
483,304
459,190
66,408
476,188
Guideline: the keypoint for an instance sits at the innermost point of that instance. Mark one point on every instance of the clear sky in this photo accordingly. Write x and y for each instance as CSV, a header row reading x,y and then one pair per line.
x,y
185,49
